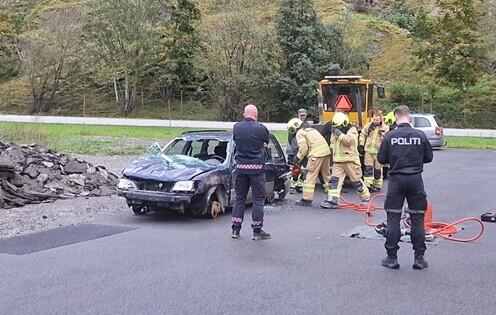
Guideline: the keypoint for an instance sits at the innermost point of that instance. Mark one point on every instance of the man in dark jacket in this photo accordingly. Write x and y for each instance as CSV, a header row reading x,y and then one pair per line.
x,y
251,139
406,150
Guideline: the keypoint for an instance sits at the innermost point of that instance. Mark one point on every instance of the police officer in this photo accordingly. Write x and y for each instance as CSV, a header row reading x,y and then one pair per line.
x,y
346,161
251,138
369,142
406,150
311,145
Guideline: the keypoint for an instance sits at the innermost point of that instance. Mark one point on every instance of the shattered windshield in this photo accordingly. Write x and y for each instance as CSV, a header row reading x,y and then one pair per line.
x,y
191,153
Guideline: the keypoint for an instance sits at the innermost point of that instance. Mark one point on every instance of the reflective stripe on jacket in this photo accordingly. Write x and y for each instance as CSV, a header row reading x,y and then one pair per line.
x,y
344,147
311,144
371,139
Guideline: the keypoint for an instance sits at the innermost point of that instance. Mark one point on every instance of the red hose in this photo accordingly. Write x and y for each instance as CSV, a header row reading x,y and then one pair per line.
x,y
440,229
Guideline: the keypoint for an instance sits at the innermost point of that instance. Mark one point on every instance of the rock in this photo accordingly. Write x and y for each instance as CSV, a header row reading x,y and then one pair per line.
x,y
42,178
75,167
48,164
31,170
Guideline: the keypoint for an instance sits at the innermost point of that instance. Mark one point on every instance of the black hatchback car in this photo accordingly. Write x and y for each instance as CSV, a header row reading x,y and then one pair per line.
x,y
195,173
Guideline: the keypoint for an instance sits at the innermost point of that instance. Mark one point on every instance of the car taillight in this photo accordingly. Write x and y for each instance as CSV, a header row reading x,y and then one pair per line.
x,y
438,131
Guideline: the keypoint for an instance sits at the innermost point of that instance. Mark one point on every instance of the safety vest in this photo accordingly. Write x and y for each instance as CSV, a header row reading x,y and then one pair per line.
x,y
344,147
311,143
371,139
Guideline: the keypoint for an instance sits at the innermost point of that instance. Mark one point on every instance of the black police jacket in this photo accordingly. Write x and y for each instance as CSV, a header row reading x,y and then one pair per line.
x,y
405,149
250,137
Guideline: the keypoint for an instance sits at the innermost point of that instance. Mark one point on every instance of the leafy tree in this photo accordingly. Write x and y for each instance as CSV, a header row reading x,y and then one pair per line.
x,y
310,50
238,58
49,54
451,49
124,36
175,58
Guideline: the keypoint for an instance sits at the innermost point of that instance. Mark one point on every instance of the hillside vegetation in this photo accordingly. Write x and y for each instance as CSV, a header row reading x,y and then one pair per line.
x,y
186,59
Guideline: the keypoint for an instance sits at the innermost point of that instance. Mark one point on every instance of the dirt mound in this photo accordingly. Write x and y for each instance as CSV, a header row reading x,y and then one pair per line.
x,y
34,174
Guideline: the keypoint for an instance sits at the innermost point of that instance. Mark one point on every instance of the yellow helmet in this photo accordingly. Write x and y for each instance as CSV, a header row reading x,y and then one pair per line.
x,y
389,119
294,124
340,120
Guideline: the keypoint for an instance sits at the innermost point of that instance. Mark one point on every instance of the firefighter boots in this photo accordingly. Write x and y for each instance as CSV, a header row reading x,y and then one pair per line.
x,y
304,203
420,263
260,235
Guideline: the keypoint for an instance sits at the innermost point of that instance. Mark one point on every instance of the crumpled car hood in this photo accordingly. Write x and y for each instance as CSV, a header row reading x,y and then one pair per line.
x,y
158,169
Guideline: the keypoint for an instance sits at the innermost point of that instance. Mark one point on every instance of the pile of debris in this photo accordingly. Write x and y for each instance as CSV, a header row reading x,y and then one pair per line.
x,y
33,174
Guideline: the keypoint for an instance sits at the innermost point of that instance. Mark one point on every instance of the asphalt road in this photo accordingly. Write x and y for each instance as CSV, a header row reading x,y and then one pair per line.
x,y
174,265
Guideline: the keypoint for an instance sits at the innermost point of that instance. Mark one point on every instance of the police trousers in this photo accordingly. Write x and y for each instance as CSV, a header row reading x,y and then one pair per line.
x,y
243,183
316,166
411,188
372,174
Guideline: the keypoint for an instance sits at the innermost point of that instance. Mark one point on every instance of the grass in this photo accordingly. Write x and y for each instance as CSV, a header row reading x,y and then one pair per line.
x,y
471,142
129,140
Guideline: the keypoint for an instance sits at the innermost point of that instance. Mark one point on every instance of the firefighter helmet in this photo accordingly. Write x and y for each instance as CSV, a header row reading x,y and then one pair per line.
x,y
294,124
389,119
340,120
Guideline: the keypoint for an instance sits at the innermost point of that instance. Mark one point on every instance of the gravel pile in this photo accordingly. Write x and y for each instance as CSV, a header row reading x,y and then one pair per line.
x,y
34,174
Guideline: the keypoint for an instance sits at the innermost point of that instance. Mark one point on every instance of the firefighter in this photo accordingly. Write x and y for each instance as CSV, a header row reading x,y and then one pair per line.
x,y
390,121
369,142
311,145
251,139
296,182
346,161
406,150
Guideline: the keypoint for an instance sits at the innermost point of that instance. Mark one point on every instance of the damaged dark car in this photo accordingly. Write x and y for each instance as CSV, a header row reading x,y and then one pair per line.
x,y
194,174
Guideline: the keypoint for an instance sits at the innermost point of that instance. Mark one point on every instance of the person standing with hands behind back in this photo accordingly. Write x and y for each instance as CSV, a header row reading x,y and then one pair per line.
x,y
406,150
251,138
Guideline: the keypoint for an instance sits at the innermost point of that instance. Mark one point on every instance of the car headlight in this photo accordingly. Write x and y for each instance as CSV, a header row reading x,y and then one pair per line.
x,y
125,183
188,185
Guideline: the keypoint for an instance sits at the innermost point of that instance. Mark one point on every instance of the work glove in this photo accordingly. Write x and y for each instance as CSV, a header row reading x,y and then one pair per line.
x,y
361,150
337,132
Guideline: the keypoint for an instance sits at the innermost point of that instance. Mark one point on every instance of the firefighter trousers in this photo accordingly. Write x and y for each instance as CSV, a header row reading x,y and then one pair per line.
x,y
372,174
411,188
339,172
243,183
316,165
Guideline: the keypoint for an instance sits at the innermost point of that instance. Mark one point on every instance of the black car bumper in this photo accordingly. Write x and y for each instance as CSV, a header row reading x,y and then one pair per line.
x,y
144,196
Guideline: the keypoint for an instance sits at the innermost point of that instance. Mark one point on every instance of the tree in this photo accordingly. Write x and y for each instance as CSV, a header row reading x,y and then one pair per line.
x,y
174,64
450,48
125,36
238,59
310,50
49,54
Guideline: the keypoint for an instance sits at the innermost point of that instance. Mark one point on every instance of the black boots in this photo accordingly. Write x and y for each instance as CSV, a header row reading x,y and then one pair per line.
x,y
419,262
304,203
390,262
235,234
260,235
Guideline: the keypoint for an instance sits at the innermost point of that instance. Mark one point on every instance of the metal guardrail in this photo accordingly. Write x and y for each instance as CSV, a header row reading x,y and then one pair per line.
x,y
484,133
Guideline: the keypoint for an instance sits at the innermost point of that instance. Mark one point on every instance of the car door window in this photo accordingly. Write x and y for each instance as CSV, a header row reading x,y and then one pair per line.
x,y
421,122
275,150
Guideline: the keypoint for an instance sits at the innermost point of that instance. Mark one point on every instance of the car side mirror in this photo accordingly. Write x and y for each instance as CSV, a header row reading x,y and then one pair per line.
x,y
381,92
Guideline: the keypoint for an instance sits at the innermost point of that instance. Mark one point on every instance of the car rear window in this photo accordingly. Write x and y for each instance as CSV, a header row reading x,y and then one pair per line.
x,y
421,122
438,122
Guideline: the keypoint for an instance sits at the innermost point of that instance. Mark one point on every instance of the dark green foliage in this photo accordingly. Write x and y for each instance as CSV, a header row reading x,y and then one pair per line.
x,y
310,50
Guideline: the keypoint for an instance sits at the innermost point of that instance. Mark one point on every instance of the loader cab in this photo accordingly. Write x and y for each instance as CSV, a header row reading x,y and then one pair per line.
x,y
352,94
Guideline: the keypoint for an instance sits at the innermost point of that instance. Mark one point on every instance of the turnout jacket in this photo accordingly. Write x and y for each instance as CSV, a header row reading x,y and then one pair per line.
x,y
372,139
406,150
311,144
250,138
344,147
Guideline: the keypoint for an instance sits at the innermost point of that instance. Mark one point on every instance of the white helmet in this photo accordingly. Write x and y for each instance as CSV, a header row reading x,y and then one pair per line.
x,y
294,124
